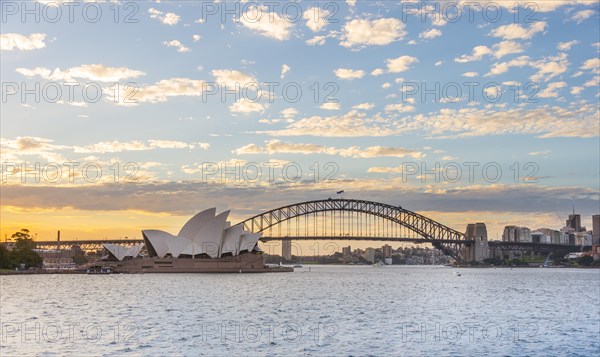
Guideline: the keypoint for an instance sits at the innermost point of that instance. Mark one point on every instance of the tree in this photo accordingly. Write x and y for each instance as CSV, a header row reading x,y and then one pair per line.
x,y
5,258
23,252
585,260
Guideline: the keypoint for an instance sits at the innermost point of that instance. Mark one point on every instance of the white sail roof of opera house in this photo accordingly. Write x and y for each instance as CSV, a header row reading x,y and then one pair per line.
x,y
205,233
121,252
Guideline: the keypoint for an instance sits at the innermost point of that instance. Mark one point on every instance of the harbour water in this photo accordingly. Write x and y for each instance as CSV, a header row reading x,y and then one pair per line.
x,y
329,310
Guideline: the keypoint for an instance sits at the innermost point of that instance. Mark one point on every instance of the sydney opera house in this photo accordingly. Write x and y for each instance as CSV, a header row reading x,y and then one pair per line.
x,y
206,243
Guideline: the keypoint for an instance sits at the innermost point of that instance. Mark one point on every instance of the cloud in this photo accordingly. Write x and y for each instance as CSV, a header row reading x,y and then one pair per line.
x,y
15,41
345,73
565,46
316,41
542,122
93,72
284,70
591,64
517,32
362,32
550,67
245,106
168,19
539,153
174,43
266,23
230,78
377,72
503,67
364,106
430,34
351,124
289,113
402,108
196,38
136,145
162,90
551,90
582,15
316,18
400,64
477,55
498,50
330,106
507,48
470,74
278,147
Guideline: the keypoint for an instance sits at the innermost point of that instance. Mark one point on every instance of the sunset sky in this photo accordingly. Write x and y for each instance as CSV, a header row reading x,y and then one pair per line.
x,y
319,96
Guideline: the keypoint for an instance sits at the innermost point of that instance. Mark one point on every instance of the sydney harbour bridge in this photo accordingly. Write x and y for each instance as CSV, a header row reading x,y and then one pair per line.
x,y
355,220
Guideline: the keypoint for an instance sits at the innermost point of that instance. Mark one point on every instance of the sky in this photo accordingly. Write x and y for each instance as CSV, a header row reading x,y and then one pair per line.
x,y
123,116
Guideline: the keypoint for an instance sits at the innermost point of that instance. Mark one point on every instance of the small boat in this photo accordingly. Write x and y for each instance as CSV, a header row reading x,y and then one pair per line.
x,y
457,273
297,266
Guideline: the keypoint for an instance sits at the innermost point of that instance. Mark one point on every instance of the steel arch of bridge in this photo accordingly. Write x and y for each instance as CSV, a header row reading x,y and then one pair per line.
x,y
441,236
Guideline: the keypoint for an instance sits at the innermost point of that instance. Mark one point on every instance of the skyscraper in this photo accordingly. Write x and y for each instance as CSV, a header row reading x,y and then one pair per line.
x,y
574,222
596,229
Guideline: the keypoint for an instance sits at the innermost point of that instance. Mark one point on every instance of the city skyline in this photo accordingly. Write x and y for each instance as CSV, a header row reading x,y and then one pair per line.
x,y
376,142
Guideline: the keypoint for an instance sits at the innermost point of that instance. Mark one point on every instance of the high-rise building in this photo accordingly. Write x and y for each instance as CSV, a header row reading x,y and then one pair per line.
x,y
286,249
574,222
596,228
516,234
555,236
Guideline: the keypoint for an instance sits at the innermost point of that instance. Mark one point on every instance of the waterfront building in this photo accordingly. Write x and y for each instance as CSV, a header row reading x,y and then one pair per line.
x,y
516,234
596,228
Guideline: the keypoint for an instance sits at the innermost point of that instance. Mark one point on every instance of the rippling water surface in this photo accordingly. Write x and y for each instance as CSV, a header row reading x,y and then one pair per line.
x,y
329,310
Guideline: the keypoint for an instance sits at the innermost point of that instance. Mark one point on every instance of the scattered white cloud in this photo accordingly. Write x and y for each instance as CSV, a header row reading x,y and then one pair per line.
x,y
267,23
364,106
380,32
551,90
539,153
400,64
316,41
316,18
477,54
168,18
289,113
430,34
470,74
284,70
178,45
278,147
346,73
515,31
92,72
400,107
582,15
246,106
377,72
330,106
230,78
15,41
565,46
196,38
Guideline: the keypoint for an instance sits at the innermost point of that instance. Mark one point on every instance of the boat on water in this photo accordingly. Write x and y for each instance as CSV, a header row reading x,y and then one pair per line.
x,y
99,270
